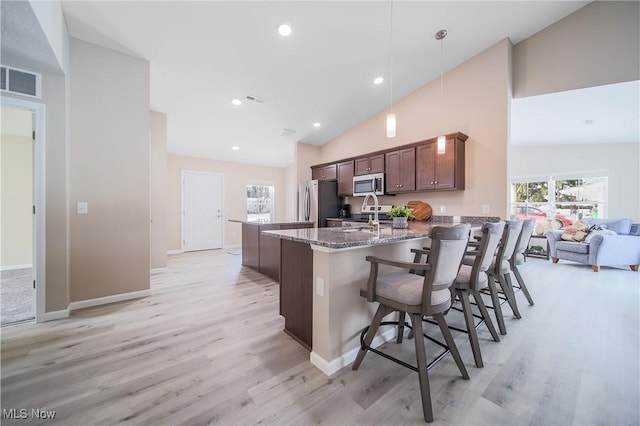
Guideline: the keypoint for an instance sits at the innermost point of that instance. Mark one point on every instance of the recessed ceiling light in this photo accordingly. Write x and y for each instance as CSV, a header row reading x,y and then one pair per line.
x,y
284,30
316,124
378,80
235,148
236,102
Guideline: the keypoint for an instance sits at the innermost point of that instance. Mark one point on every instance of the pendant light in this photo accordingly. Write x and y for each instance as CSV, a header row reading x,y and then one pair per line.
x,y
442,144
442,140
391,117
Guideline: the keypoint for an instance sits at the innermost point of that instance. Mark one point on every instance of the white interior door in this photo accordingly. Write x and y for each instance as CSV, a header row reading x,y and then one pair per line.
x,y
201,211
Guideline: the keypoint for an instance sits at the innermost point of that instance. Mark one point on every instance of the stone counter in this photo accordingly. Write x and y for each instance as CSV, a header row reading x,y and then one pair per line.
x,y
343,238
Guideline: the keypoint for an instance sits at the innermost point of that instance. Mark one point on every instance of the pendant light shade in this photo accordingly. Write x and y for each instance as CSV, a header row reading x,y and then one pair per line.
x,y
391,125
442,144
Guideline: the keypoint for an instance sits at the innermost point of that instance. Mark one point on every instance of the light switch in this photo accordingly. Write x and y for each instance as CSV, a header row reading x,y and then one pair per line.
x,y
82,208
319,286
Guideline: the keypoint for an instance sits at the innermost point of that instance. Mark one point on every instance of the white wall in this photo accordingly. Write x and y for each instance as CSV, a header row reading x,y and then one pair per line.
x,y
54,26
621,162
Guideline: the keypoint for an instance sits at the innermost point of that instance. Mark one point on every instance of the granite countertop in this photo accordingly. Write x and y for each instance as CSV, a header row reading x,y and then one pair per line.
x,y
294,222
337,238
341,238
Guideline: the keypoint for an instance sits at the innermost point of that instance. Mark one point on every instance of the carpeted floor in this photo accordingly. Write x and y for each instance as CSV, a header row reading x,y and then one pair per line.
x,y
17,296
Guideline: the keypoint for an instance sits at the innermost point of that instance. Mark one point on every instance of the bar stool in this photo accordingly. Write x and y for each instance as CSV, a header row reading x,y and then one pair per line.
x,y
418,295
500,271
518,257
471,279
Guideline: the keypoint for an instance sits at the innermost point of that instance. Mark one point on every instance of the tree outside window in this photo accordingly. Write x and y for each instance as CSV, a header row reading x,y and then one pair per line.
x,y
260,203
571,199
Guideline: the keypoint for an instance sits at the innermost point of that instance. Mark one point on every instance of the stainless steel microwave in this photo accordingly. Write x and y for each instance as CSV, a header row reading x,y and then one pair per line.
x,y
366,184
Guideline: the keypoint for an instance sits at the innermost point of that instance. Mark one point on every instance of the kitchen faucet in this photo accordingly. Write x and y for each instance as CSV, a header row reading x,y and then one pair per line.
x,y
375,221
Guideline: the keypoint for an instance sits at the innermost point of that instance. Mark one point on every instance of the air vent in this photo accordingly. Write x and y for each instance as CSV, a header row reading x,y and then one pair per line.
x,y
254,98
20,82
285,133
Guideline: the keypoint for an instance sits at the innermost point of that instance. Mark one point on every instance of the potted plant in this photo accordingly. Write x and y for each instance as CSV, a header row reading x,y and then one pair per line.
x,y
400,214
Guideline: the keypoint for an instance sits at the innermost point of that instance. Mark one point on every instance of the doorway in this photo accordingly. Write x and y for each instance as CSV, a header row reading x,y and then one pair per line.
x,y
17,277
201,211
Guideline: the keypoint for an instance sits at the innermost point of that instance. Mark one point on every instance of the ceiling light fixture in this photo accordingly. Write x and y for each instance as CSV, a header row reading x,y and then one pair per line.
x,y
284,30
378,80
440,35
235,148
316,124
236,102
391,117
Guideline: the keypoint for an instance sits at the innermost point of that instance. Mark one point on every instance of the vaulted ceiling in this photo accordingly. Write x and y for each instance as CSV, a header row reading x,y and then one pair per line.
x,y
204,54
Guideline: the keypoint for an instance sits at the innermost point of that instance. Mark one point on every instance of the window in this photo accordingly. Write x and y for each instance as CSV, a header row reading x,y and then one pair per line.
x,y
572,198
260,203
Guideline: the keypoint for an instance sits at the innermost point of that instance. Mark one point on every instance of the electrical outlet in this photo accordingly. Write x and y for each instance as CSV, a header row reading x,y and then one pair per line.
x,y
443,209
485,209
456,219
319,286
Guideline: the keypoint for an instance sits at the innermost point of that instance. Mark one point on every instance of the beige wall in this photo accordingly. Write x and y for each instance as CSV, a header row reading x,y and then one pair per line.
x,y
109,170
597,45
619,161
475,101
236,178
291,193
305,156
157,186
16,231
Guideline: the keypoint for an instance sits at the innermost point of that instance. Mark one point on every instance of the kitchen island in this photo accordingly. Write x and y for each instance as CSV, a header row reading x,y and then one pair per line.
x,y
263,254
322,271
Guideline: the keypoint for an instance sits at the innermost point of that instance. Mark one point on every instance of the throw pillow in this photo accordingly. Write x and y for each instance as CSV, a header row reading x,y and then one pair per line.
x,y
599,231
576,232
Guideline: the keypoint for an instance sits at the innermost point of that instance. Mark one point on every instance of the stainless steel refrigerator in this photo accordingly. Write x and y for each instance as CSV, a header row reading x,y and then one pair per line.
x,y
318,200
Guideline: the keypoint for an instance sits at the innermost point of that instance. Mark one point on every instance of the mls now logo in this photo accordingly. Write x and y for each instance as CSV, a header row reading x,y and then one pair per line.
x,y
23,413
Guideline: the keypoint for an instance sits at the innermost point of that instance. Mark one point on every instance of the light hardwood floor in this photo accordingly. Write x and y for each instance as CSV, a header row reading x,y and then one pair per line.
x,y
208,347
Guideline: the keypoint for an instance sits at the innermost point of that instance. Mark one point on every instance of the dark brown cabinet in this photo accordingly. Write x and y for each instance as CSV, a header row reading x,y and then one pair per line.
x,y
324,172
370,164
334,223
400,170
440,171
269,256
408,168
296,291
345,178
262,252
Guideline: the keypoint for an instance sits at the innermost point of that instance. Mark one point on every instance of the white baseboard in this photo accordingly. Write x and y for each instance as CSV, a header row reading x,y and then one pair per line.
x,y
54,315
81,304
158,270
170,252
335,365
14,267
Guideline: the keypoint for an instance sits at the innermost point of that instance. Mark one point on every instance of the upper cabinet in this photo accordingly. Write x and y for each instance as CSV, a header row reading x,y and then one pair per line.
x,y
370,164
400,174
324,172
345,178
440,171
407,168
